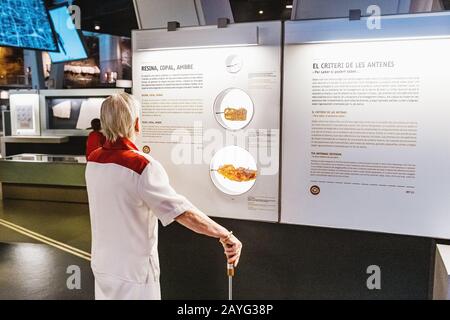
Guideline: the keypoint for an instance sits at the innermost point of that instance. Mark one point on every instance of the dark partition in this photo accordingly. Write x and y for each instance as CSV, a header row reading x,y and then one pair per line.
x,y
295,262
75,146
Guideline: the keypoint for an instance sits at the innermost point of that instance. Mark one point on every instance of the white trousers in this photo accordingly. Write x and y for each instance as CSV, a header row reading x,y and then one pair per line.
x,y
111,288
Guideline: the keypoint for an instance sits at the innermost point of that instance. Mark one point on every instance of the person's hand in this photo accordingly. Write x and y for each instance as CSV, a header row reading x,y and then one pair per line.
x,y
233,248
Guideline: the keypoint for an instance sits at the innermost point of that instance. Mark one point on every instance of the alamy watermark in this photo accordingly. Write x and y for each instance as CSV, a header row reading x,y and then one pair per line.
x,y
73,282
196,146
75,17
374,280
374,19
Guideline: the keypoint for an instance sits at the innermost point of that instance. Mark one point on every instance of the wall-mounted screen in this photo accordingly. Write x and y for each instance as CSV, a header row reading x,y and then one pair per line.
x,y
72,113
26,24
70,41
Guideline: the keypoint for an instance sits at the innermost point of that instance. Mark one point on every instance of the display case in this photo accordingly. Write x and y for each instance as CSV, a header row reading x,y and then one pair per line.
x,y
43,177
46,158
43,169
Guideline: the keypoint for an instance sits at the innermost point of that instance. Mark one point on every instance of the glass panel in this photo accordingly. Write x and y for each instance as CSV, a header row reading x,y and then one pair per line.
x,y
46,158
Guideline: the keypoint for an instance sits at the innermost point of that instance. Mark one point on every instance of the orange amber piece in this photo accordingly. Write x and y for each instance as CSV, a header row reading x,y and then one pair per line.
x,y
232,114
237,174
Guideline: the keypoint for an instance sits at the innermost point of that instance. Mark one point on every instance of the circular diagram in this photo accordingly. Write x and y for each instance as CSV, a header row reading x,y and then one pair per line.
x,y
146,149
315,190
234,63
233,170
233,109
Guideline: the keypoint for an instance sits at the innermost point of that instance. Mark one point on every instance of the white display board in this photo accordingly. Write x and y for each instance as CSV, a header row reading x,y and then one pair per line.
x,y
211,115
24,105
156,13
366,133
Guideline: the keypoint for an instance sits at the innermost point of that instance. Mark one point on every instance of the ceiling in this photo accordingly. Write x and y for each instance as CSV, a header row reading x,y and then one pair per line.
x,y
115,17
258,10
118,16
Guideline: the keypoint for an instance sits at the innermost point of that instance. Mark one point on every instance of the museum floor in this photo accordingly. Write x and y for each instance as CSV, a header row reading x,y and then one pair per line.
x,y
38,242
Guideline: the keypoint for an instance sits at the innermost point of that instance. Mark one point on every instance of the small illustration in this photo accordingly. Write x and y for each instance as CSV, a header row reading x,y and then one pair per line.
x,y
234,63
24,117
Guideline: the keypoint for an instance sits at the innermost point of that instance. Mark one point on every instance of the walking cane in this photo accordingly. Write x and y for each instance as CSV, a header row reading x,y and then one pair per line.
x,y
230,270
230,273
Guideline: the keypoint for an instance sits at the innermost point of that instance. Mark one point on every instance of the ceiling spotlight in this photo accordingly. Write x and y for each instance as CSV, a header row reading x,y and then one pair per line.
x,y
97,26
289,6
260,12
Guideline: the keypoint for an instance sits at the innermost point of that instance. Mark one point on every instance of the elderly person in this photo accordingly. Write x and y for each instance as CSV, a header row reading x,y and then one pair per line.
x,y
128,192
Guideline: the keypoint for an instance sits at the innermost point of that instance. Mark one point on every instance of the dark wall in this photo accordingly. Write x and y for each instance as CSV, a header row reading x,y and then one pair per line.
x,y
295,262
75,146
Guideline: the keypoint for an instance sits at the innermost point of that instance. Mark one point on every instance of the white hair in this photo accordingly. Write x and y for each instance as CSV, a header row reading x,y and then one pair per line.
x,y
118,116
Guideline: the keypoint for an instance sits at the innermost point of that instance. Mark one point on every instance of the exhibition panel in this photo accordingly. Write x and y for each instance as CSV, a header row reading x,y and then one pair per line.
x,y
365,130
407,26
211,112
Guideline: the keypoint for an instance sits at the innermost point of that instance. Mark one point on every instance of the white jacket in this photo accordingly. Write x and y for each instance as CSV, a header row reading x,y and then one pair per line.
x,y
128,192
